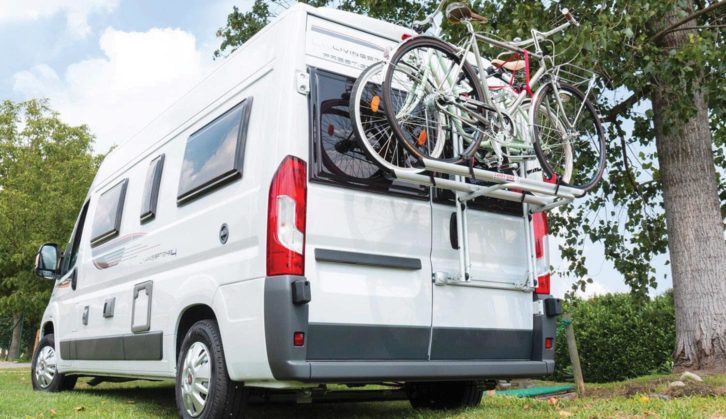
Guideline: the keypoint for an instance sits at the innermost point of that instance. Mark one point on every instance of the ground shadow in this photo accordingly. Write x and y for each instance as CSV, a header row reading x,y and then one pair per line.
x,y
161,397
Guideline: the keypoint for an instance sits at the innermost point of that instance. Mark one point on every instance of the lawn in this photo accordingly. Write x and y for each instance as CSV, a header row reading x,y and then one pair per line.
x,y
642,397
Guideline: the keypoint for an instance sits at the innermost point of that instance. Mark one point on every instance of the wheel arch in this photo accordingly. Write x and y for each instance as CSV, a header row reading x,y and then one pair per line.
x,y
47,328
190,315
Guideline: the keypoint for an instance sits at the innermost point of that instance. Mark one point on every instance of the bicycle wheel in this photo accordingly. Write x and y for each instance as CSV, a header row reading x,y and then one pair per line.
x,y
372,130
340,151
430,95
568,137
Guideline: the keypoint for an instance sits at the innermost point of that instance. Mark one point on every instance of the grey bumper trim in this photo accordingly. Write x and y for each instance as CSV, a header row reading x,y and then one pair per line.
x,y
356,258
373,371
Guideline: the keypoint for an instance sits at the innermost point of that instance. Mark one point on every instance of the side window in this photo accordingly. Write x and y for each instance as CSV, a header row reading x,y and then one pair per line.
x,y
336,157
214,154
151,189
71,253
107,219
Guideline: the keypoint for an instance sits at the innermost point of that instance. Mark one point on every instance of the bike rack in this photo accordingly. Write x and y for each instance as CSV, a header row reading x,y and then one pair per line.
x,y
535,196
542,196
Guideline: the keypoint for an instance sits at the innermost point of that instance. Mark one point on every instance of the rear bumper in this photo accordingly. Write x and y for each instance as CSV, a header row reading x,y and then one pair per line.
x,y
289,363
374,371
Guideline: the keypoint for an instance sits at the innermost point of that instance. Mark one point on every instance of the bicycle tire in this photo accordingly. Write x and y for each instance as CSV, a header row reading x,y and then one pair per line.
x,y
372,130
587,156
411,137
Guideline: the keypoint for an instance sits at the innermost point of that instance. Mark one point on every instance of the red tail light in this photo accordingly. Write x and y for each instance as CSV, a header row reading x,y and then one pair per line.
x,y
298,339
541,252
286,219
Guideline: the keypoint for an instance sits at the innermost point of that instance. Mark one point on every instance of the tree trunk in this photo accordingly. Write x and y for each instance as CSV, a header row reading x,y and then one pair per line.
x,y
14,350
693,217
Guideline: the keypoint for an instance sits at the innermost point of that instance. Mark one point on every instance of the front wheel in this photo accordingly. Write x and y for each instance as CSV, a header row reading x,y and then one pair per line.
x,y
568,137
203,388
44,368
433,98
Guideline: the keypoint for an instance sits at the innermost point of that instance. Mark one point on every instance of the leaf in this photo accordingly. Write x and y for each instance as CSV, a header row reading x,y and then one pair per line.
x,y
79,408
553,401
564,413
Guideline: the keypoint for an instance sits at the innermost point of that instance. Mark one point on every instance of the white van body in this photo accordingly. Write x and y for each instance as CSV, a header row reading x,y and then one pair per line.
x,y
371,247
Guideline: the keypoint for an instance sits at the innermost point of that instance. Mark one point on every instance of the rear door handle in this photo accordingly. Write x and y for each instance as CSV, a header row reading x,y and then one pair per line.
x,y
85,316
453,232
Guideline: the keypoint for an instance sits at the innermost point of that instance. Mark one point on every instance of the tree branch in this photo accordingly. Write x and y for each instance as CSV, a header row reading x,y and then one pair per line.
x,y
688,18
621,107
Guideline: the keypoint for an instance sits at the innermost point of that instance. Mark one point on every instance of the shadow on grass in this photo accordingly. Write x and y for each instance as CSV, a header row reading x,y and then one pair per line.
x,y
160,397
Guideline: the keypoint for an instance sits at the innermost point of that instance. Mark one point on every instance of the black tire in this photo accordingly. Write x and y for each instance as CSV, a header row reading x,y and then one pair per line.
x,y
587,152
225,398
59,382
416,144
444,395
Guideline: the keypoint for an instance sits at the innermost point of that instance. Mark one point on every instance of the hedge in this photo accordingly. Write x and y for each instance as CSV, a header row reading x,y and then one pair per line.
x,y
619,337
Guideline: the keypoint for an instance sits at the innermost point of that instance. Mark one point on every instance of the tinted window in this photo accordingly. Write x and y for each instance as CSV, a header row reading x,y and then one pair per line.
x,y
213,155
151,189
75,243
107,219
336,156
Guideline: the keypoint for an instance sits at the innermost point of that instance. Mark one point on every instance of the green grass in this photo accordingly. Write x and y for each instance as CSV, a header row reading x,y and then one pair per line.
x,y
633,398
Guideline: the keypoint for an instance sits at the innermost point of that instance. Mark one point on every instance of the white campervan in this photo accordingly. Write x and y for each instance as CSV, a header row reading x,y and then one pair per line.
x,y
243,242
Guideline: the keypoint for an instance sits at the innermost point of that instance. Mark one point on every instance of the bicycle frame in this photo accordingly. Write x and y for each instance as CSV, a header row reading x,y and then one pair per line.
x,y
436,71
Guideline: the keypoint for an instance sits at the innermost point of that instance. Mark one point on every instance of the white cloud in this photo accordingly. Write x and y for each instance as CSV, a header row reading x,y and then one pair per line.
x,y
561,285
592,290
76,11
140,75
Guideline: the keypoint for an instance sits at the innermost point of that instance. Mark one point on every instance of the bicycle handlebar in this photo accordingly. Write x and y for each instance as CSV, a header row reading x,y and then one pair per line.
x,y
420,24
569,17
571,21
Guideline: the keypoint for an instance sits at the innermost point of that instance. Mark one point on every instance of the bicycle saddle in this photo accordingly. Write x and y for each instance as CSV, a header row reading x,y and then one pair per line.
x,y
457,11
515,65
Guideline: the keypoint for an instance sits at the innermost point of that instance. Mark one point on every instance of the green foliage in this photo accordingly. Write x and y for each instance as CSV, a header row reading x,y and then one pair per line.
x,y
46,167
616,39
619,337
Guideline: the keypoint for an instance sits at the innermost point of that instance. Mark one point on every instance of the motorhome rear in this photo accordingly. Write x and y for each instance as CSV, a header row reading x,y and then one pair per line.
x,y
244,238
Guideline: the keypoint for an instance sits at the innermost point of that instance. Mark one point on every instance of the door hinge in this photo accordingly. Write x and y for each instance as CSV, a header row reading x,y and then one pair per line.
x,y
302,82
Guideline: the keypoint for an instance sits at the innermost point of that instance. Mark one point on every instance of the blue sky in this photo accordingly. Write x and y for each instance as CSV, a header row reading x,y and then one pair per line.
x,y
110,64
115,64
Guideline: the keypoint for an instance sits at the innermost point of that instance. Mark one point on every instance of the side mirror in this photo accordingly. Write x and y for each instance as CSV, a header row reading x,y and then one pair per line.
x,y
46,261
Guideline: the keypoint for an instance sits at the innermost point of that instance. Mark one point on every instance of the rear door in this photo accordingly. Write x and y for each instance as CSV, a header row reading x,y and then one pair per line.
x,y
488,317
368,239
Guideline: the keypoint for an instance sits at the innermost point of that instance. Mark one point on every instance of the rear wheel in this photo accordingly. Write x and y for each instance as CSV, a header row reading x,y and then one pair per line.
x,y
44,370
373,132
444,395
430,96
203,388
